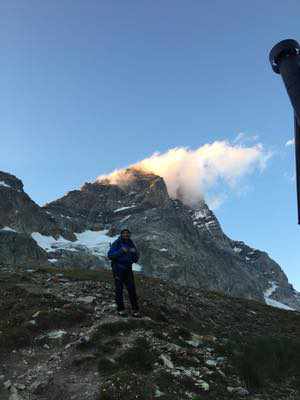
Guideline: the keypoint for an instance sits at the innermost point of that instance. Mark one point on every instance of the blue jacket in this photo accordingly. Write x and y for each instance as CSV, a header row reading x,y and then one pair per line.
x,y
119,257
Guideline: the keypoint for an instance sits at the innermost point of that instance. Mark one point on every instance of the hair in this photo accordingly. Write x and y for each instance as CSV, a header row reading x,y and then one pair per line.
x,y
125,230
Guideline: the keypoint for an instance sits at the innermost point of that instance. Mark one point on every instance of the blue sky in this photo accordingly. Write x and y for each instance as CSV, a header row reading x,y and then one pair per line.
x,y
87,87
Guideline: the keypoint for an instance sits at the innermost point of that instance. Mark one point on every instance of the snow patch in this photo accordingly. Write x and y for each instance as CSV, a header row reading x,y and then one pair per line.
x,y
163,249
125,218
97,242
137,267
2,183
277,304
237,249
270,290
48,243
272,302
123,208
7,228
57,334
209,224
199,214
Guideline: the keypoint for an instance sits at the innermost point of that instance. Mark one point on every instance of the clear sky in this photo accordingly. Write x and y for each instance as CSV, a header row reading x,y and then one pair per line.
x,y
90,86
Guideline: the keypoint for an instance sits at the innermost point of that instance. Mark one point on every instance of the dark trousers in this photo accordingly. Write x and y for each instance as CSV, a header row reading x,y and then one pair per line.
x,y
125,277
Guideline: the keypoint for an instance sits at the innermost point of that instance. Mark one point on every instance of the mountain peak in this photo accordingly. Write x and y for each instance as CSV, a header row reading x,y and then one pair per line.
x,y
178,242
145,188
128,177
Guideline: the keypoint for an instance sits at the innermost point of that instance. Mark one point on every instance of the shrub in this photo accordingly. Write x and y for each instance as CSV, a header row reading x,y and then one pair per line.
x,y
116,327
15,337
140,357
106,365
266,358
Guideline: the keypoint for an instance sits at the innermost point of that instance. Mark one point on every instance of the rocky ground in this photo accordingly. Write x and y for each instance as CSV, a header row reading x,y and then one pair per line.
x,y
60,338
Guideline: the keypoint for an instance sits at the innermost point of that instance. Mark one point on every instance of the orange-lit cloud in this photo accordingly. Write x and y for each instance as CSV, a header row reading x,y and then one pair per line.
x,y
190,174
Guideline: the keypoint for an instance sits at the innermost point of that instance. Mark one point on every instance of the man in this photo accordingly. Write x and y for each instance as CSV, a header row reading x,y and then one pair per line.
x,y
123,254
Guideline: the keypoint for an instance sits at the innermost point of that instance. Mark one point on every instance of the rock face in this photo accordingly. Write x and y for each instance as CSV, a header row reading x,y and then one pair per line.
x,y
181,244
20,249
19,212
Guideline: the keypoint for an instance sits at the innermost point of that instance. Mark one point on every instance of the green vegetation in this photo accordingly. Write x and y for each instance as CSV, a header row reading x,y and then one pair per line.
x,y
18,327
108,346
127,385
179,335
15,337
117,327
107,365
59,318
140,357
184,361
265,358
165,380
130,374
78,274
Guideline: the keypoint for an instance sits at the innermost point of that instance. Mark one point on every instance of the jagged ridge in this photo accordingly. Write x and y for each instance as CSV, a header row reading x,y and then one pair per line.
x,y
178,243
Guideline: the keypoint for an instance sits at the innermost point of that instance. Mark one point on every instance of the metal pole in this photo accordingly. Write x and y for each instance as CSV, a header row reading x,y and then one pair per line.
x,y
297,154
285,60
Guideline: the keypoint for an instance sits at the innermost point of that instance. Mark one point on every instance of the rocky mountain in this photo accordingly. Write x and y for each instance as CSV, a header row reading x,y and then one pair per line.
x,y
178,243
61,338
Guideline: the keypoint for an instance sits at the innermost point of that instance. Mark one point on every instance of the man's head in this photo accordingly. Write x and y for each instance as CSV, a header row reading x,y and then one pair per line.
x,y
125,234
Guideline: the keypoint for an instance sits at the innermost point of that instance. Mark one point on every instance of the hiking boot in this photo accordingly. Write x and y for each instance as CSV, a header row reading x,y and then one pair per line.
x,y
123,313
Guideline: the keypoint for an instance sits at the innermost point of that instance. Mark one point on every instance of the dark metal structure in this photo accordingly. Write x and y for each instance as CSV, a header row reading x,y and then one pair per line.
x,y
285,60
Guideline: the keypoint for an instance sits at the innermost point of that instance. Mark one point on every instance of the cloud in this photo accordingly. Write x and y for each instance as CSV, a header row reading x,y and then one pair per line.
x,y
290,142
191,175
243,137
215,201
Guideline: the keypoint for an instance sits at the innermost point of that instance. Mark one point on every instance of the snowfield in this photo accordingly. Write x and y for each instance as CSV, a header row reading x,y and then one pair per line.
x,y
272,302
96,242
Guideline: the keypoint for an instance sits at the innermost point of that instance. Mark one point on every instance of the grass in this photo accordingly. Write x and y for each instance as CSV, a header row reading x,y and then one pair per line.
x,y
16,309
78,274
139,358
108,346
165,380
107,365
129,376
15,337
156,313
127,385
179,335
265,358
59,318
18,332
110,329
